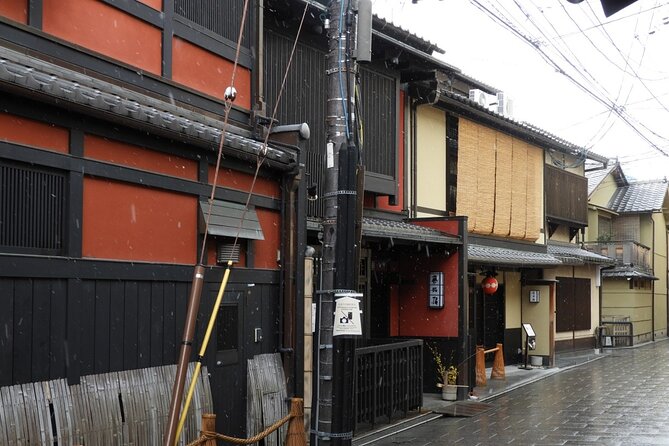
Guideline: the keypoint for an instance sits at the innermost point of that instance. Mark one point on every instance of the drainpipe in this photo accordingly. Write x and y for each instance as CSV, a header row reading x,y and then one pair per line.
x,y
652,309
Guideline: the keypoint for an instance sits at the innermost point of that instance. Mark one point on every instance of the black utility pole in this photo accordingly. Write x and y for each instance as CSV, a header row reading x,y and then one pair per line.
x,y
333,419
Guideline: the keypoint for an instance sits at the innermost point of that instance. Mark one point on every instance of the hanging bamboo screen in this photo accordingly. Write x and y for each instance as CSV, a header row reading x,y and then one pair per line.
x,y
467,170
518,189
500,183
503,180
485,192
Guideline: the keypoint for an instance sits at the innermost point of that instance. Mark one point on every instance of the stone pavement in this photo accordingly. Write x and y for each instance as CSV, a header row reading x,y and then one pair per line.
x,y
516,377
620,397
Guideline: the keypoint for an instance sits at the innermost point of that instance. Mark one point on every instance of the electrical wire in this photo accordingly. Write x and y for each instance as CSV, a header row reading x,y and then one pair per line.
x,y
548,59
259,161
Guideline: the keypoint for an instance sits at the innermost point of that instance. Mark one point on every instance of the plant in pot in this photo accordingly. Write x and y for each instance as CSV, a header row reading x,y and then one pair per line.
x,y
447,377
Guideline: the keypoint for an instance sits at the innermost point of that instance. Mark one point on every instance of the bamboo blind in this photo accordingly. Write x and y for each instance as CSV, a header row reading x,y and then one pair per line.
x,y
467,170
500,183
485,190
503,180
518,189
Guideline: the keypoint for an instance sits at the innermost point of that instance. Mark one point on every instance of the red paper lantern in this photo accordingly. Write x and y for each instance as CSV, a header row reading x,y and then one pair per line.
x,y
489,285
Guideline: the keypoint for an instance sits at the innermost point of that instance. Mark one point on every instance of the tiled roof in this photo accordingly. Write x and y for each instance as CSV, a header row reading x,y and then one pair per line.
x,y
595,177
626,271
573,255
504,256
134,109
642,196
529,129
377,227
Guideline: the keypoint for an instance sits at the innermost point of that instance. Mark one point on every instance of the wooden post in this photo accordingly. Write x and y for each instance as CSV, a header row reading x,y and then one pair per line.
x,y
296,435
498,371
209,425
480,367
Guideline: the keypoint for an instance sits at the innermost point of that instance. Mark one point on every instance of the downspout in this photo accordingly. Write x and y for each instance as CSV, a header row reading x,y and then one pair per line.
x,y
573,329
293,244
258,83
652,309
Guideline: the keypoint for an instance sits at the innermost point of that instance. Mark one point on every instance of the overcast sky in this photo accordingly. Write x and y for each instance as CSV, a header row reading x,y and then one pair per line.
x,y
621,60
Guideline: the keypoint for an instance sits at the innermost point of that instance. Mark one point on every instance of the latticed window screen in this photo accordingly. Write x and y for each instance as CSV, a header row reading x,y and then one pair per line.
x,y
220,17
604,229
32,208
627,227
451,163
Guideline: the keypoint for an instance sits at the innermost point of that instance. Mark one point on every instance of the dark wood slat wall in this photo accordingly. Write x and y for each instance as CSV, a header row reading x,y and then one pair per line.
x,y
573,304
566,196
23,327
130,325
102,301
143,327
87,329
116,326
41,319
58,329
7,331
113,325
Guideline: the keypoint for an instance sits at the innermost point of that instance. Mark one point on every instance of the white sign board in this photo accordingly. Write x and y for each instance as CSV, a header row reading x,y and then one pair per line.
x,y
347,317
435,286
529,330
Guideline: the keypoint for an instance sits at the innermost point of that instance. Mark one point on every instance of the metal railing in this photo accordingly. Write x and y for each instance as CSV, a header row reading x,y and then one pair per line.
x,y
388,382
620,334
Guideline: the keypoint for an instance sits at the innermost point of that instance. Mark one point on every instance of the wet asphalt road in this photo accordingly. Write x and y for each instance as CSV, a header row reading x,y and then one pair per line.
x,y
621,399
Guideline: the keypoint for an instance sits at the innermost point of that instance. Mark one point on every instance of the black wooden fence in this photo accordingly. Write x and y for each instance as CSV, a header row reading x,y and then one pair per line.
x,y
388,382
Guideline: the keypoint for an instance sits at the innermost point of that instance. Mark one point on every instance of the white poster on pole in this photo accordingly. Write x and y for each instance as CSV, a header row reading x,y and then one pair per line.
x,y
347,316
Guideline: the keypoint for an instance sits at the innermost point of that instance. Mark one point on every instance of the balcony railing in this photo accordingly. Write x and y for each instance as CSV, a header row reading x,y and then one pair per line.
x,y
388,382
624,252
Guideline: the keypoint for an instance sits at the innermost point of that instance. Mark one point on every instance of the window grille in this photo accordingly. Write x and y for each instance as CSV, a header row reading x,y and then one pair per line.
x,y
32,209
220,17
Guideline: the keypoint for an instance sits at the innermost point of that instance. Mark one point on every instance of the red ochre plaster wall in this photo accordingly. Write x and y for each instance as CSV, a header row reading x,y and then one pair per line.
x,y
16,10
106,30
266,250
382,202
243,181
33,133
410,302
139,158
127,222
155,4
204,71
447,226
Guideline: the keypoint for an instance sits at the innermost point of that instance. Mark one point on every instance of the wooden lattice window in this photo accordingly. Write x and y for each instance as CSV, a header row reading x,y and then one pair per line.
x,y
32,209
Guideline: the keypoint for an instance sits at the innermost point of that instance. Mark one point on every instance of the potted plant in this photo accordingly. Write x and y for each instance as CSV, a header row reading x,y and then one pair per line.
x,y
447,377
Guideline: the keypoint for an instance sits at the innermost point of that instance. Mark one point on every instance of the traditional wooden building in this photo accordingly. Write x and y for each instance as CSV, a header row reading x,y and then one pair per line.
x,y
523,192
111,117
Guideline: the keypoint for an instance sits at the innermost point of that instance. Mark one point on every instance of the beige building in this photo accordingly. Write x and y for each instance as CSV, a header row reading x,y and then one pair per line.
x,y
628,222
524,194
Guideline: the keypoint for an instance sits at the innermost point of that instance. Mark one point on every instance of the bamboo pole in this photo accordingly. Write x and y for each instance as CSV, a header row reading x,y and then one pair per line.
x,y
186,347
203,349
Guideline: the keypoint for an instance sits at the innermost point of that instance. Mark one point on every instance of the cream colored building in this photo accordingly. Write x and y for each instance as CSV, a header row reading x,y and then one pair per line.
x,y
467,160
628,222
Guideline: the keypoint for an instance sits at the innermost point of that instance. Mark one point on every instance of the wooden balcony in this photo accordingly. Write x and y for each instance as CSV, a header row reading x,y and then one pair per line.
x,y
566,197
624,252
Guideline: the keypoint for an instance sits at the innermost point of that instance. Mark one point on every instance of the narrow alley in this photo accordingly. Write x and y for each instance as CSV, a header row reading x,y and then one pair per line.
x,y
620,399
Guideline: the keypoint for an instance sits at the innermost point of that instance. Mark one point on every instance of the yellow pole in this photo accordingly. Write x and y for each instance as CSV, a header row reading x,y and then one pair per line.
x,y
203,348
